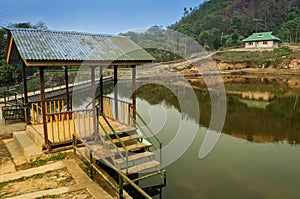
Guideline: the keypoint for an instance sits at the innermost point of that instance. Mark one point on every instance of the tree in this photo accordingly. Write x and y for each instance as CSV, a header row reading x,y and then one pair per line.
x,y
11,74
39,25
2,42
187,29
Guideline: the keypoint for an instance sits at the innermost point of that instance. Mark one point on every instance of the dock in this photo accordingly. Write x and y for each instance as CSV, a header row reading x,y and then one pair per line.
x,y
109,129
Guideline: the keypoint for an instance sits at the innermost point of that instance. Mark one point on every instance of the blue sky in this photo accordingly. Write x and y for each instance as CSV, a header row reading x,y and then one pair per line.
x,y
101,16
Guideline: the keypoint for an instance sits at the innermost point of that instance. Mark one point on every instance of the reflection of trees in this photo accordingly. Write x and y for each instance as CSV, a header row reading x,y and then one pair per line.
x,y
83,96
280,121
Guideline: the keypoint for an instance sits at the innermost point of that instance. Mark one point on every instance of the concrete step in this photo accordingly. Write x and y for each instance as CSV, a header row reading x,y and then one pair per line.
x,y
27,146
16,153
33,132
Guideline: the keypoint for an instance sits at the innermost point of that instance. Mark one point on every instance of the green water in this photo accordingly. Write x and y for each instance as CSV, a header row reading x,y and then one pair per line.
x,y
257,159
257,155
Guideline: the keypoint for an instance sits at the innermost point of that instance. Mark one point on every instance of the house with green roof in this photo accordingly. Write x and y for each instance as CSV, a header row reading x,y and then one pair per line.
x,y
261,40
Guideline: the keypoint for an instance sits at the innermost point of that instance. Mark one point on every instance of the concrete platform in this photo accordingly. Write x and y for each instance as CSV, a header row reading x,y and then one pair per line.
x,y
83,182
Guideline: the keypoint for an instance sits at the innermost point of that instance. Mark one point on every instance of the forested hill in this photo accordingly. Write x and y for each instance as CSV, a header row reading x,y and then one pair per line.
x,y
224,23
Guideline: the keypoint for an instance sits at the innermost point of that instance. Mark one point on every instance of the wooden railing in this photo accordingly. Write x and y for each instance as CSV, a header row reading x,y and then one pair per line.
x,y
124,110
51,106
62,125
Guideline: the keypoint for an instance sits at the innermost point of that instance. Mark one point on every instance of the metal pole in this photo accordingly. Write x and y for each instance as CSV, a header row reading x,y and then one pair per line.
x,y
4,94
26,106
43,100
16,98
120,186
116,92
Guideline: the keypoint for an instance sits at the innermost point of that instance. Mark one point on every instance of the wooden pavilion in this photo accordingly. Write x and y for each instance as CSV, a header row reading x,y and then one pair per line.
x,y
110,127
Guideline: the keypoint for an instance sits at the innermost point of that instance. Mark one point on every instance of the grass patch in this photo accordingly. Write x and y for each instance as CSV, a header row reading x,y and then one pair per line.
x,y
3,184
41,162
294,55
256,57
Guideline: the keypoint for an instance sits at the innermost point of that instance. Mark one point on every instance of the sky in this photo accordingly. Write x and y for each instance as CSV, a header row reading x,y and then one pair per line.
x,y
97,16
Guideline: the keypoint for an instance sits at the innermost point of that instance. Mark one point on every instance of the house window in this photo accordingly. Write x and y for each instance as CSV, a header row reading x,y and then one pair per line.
x,y
250,43
265,42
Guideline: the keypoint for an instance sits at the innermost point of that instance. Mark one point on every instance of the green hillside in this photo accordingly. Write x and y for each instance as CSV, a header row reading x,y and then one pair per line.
x,y
224,23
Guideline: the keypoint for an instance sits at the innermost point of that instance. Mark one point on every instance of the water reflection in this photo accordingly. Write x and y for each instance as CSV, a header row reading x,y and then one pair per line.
x,y
278,121
256,157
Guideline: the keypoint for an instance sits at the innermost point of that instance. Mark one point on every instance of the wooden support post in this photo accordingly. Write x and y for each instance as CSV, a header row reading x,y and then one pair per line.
x,y
42,89
26,105
67,88
94,98
134,90
101,89
116,92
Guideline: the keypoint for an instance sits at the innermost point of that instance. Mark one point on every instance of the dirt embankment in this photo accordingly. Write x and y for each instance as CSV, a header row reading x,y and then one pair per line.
x,y
286,63
288,66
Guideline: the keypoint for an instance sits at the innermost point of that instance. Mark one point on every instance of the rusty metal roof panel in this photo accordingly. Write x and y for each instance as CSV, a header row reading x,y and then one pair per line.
x,y
74,46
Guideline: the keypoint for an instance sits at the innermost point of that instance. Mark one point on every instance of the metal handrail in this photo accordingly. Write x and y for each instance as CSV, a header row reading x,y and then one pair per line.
x,y
122,175
12,94
120,141
147,137
109,138
143,121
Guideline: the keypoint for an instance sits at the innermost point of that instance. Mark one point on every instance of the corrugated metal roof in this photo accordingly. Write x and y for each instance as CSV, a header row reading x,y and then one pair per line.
x,y
75,46
262,36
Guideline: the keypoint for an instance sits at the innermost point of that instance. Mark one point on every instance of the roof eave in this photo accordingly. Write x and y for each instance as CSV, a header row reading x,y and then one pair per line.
x,y
245,40
45,63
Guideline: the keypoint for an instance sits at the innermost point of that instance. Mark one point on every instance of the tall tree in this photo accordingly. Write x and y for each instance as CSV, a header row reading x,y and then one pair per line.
x,y
12,74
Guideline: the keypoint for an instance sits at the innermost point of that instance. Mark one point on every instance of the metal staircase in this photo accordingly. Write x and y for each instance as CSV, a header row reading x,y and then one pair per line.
x,y
125,140
125,148
13,108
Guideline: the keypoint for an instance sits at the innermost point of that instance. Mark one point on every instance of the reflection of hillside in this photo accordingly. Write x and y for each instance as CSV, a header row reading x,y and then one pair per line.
x,y
256,138
279,121
249,83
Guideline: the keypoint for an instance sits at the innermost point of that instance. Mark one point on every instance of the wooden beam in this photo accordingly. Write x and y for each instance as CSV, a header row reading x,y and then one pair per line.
x,y
9,49
25,91
134,90
116,92
84,63
67,88
43,100
101,89
94,98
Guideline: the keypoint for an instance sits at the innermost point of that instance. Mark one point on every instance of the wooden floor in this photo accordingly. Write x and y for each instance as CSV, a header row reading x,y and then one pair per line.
x,y
60,132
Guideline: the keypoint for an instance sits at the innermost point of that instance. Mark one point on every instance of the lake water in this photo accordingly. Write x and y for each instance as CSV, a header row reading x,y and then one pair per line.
x,y
256,156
